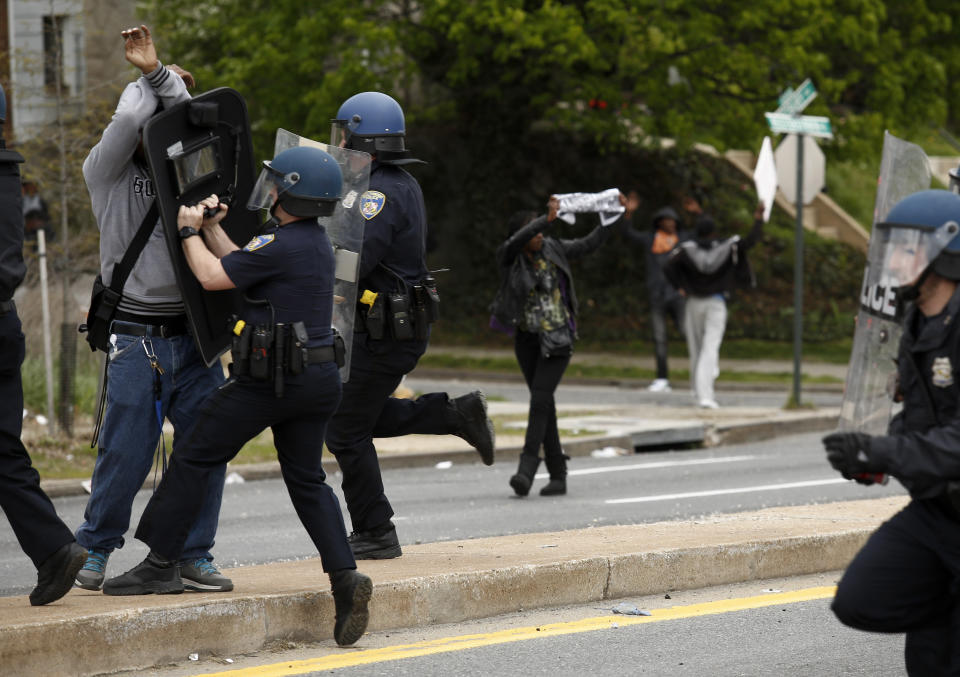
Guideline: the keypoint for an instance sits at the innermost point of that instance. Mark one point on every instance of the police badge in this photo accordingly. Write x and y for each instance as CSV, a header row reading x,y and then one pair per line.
x,y
942,372
371,202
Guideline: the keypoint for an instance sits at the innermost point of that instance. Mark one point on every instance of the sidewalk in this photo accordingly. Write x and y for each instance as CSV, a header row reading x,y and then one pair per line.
x,y
89,633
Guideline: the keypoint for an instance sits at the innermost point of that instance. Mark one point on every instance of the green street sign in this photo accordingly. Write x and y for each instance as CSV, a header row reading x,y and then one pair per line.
x,y
813,125
792,101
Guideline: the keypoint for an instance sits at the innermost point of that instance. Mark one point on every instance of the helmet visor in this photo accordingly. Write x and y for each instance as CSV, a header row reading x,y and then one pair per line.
x,y
907,251
270,186
340,131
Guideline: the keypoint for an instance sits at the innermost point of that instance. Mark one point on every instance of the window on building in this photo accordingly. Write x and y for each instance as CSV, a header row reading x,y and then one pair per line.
x,y
53,51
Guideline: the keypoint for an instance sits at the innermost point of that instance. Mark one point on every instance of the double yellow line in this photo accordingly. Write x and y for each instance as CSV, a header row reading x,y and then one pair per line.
x,y
446,644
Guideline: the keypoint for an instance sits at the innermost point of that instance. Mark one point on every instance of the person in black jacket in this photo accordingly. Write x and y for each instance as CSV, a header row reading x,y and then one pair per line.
x,y
45,539
665,300
906,577
706,269
537,301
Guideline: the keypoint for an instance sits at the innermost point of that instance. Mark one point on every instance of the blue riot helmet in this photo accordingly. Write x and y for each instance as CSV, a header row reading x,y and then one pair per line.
x,y
305,181
920,235
371,122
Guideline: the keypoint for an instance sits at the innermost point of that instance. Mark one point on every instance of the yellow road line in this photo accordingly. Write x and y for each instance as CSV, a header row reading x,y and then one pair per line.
x,y
446,644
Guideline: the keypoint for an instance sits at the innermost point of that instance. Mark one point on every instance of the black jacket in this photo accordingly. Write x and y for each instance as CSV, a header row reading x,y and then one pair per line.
x,y
708,267
516,272
922,447
659,289
12,268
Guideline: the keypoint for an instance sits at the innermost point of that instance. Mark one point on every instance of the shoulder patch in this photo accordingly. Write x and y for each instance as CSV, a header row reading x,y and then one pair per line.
x,y
258,242
371,202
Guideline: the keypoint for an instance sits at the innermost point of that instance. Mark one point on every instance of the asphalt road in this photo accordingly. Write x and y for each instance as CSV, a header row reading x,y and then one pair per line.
x,y
785,629
258,524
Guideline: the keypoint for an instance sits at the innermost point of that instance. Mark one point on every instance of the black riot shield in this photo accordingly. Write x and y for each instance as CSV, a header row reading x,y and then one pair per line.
x,y
198,148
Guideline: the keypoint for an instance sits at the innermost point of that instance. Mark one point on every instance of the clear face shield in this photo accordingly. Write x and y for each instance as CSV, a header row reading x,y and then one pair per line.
x,y
340,131
270,185
905,252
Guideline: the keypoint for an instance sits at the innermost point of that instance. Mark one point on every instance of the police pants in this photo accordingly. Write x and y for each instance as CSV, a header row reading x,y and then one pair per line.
x,y
905,579
367,411
231,416
32,516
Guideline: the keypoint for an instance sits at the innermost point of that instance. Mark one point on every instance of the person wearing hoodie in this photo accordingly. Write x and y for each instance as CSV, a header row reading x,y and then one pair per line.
x,y
705,270
154,370
665,300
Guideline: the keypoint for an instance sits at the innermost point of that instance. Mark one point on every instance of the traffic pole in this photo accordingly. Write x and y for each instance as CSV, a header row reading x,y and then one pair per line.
x,y
798,277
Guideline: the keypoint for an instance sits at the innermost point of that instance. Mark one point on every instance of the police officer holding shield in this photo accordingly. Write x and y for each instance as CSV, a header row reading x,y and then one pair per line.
x,y
44,537
284,376
906,577
398,302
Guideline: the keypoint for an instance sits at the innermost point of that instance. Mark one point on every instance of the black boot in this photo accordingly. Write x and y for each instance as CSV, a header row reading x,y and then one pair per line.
x,y
378,543
56,575
473,425
525,471
351,594
155,575
557,467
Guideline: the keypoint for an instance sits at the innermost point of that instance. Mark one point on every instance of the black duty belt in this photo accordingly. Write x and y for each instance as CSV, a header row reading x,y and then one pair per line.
x,y
7,306
164,327
321,354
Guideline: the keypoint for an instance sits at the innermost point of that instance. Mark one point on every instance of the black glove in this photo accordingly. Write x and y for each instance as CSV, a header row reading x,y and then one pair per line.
x,y
849,454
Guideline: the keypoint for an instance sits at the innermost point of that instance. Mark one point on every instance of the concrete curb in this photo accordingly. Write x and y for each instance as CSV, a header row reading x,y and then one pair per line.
x,y
89,633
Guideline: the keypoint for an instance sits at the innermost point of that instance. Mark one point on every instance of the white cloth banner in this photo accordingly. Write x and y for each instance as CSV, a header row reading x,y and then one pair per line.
x,y
606,203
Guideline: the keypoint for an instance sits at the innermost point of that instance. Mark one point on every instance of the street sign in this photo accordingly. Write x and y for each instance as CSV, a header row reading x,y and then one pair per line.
x,y
792,101
814,125
814,168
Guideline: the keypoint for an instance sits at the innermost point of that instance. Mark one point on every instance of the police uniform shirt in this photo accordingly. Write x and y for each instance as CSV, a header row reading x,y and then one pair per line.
x,y
395,230
12,267
292,267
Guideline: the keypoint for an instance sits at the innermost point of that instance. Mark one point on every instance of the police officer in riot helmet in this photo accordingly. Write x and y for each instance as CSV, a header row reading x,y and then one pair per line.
x,y
905,579
42,535
284,375
398,302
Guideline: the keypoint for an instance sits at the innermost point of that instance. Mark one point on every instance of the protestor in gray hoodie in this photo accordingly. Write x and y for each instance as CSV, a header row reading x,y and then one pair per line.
x,y
154,369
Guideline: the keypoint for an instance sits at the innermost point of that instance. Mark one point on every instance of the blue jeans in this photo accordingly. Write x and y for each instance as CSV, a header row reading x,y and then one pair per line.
x,y
131,431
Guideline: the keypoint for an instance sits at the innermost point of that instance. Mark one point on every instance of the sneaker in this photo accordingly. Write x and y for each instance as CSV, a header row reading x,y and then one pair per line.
x,y
56,575
90,576
351,593
380,543
659,385
201,575
709,404
474,425
151,577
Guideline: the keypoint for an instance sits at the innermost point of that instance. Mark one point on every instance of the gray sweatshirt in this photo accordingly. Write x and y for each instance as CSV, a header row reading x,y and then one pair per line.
x,y
121,192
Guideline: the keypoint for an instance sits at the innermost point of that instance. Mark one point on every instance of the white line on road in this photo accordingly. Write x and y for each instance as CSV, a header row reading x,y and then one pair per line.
x,y
721,492
656,464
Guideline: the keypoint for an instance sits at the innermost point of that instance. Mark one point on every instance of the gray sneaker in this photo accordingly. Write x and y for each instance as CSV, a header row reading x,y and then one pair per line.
x,y
90,576
201,575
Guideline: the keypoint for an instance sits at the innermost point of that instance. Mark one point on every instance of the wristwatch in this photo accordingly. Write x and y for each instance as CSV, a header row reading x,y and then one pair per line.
x,y
188,231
